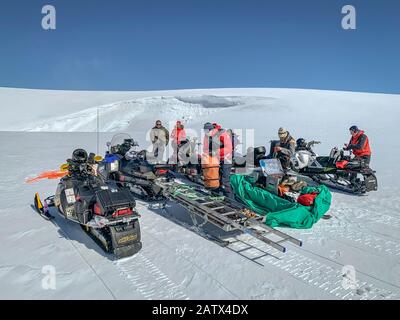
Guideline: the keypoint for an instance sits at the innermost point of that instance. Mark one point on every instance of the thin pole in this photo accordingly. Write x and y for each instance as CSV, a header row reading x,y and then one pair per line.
x,y
98,130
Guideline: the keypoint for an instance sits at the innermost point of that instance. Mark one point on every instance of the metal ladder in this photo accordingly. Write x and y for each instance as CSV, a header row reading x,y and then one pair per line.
x,y
226,214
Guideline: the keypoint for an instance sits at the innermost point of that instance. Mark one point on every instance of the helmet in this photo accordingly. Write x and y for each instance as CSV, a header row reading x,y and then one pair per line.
x,y
301,142
79,155
354,128
208,126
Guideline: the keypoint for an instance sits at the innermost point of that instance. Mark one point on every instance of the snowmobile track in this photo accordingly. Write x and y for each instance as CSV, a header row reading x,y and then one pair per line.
x,y
329,278
361,238
66,232
321,275
386,220
362,215
148,279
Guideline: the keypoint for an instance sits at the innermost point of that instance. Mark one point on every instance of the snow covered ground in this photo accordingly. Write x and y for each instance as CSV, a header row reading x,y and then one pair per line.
x,y
40,129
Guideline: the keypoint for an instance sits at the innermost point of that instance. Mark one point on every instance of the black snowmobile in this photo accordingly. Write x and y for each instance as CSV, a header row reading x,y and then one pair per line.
x,y
105,210
137,170
337,171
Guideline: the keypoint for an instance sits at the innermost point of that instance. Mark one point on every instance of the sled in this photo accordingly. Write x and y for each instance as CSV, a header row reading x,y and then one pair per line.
x,y
226,214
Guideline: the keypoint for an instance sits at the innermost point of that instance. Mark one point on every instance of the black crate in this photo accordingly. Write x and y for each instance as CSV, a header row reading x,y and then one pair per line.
x,y
111,201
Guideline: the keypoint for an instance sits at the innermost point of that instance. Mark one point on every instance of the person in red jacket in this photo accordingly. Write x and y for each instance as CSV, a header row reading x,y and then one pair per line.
x,y
217,142
359,144
178,135
178,139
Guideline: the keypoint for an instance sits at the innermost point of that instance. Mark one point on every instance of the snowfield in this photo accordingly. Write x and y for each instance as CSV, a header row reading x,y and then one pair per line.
x,y
40,129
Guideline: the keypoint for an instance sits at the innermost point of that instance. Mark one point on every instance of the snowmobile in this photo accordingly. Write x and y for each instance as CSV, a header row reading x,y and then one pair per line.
x,y
137,170
337,171
105,210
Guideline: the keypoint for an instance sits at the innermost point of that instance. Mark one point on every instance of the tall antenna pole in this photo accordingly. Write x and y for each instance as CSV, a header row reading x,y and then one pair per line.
x,y
98,130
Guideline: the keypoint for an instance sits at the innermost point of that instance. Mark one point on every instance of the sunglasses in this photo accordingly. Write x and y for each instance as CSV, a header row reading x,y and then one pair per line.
x,y
158,124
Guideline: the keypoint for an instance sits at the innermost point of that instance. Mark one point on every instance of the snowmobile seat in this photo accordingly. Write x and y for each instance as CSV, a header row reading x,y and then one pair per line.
x,y
326,161
255,155
273,144
259,154
239,161
85,191
163,166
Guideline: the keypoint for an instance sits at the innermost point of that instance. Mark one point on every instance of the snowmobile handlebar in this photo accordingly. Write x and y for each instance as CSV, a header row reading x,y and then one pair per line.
x,y
78,168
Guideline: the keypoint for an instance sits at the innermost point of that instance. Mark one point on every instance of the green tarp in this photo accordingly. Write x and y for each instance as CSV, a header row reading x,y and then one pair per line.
x,y
280,212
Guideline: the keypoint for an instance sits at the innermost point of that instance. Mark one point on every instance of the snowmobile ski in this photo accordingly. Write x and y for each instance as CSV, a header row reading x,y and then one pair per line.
x,y
42,207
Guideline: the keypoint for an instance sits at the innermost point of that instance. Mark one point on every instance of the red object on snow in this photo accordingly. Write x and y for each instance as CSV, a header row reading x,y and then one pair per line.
x,y
341,164
307,199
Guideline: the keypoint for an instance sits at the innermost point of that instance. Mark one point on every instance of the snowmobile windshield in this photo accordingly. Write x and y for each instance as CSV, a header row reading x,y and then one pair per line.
x,y
122,143
119,139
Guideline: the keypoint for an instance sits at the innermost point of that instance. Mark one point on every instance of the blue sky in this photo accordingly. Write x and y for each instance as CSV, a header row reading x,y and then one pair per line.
x,y
177,44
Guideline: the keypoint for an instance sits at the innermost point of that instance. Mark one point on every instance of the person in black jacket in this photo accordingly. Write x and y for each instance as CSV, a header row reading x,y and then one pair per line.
x,y
285,148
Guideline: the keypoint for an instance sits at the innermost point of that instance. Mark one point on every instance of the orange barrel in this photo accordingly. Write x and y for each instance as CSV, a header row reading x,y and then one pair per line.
x,y
210,165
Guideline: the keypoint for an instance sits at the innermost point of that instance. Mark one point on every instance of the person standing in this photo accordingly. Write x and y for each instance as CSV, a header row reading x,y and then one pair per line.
x,y
218,142
178,139
159,136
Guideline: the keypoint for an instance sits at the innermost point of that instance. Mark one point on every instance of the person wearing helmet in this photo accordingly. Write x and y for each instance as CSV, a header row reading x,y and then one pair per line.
x,y
218,142
285,148
359,145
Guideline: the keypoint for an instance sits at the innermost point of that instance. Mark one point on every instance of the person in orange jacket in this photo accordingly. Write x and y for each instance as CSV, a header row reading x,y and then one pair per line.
x,y
359,144
217,142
